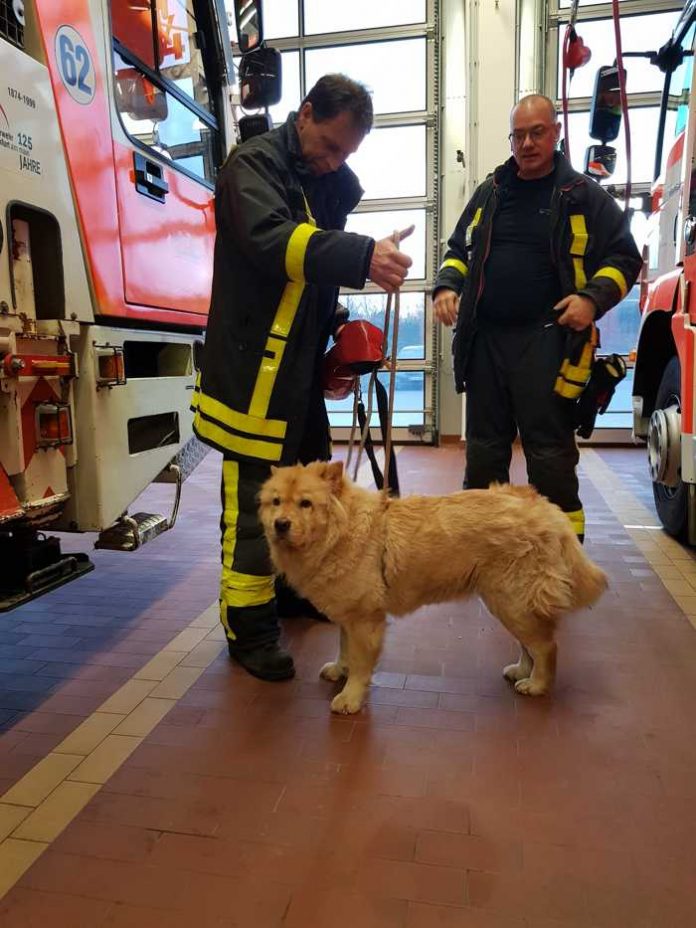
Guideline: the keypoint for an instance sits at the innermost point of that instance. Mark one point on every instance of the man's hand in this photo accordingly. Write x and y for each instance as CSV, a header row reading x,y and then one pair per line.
x,y
578,311
389,266
446,306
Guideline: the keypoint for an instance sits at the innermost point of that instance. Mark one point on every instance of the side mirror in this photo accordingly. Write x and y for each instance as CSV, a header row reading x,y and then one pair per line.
x,y
249,19
600,161
605,112
260,78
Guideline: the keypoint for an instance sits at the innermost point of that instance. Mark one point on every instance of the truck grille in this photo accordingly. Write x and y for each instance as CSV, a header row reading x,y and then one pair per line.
x,y
10,27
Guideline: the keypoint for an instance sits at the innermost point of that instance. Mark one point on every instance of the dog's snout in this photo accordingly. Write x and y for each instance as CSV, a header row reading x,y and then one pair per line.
x,y
282,526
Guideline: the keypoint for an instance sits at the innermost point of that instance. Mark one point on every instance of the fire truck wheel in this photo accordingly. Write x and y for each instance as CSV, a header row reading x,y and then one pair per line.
x,y
664,436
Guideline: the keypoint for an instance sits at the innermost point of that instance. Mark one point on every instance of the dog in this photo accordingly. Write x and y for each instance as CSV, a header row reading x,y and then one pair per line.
x,y
358,555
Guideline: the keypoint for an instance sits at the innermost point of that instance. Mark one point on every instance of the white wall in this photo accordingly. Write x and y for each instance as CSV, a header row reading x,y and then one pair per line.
x,y
478,91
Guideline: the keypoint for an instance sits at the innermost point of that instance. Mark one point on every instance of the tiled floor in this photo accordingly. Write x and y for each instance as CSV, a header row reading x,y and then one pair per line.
x,y
197,795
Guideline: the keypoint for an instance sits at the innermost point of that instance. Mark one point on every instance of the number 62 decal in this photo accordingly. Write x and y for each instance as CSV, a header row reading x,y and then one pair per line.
x,y
75,65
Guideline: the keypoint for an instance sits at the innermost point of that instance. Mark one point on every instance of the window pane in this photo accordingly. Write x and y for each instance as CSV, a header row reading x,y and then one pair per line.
x,y
279,18
619,414
408,404
180,60
371,308
619,327
643,135
375,64
619,334
338,16
132,26
391,163
156,119
639,33
382,224
290,99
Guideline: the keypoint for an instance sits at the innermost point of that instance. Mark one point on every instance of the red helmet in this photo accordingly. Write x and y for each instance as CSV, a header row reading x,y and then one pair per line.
x,y
358,350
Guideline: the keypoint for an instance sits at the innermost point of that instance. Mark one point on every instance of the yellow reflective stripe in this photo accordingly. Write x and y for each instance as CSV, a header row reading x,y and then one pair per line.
x,y
456,264
266,377
577,520
573,378
230,483
287,308
244,590
252,425
576,373
297,249
578,244
268,369
472,225
578,247
223,618
614,274
566,390
580,276
253,448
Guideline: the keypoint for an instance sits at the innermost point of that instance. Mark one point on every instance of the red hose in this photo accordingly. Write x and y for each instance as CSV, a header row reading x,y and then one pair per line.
x,y
624,101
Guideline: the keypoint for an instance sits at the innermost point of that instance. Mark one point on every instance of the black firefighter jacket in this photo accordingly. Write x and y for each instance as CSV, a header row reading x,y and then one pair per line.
x,y
276,275
591,246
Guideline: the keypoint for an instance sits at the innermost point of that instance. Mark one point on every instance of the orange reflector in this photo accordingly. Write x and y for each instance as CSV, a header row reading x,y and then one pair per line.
x,y
112,367
53,425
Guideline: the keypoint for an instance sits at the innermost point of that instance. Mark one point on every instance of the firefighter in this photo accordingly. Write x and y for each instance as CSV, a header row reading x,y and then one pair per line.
x,y
540,252
281,254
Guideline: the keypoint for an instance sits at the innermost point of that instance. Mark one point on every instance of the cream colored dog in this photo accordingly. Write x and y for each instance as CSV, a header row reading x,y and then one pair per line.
x,y
358,556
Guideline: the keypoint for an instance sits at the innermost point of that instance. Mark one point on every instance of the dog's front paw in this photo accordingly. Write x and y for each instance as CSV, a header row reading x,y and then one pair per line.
x,y
333,671
346,703
529,687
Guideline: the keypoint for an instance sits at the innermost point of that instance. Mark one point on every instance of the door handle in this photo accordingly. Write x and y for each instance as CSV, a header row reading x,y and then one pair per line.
x,y
690,230
149,178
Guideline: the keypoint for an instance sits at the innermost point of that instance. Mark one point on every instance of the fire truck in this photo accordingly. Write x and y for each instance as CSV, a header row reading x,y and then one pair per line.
x,y
114,117
664,387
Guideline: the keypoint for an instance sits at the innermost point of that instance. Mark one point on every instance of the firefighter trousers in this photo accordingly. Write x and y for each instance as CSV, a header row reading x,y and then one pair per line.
x,y
248,609
509,389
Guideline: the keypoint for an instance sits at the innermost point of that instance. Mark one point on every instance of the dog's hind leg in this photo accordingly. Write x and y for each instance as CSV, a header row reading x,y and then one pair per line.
x,y
522,669
338,669
542,649
364,640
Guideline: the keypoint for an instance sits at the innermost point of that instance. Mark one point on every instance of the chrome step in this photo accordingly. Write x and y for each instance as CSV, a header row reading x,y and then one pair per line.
x,y
131,532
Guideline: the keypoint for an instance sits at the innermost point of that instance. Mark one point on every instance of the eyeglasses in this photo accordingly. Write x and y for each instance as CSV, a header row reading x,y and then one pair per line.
x,y
536,134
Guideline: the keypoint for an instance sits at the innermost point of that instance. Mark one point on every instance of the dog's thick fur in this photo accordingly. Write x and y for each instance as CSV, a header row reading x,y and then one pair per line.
x,y
358,556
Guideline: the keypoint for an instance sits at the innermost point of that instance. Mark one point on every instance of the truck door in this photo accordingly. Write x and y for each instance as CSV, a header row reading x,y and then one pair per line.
x,y
167,146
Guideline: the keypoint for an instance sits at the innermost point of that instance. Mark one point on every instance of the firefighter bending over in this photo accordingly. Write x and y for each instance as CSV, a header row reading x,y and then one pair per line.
x,y
281,254
539,252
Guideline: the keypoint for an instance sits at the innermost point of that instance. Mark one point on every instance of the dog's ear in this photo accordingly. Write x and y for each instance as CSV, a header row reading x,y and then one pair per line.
x,y
274,470
334,475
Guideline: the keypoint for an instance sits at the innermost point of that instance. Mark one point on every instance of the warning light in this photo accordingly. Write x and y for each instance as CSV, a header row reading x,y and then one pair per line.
x,y
53,425
111,367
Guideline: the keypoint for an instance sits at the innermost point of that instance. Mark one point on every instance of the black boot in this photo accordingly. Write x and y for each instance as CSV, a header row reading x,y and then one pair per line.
x,y
267,662
292,606
254,642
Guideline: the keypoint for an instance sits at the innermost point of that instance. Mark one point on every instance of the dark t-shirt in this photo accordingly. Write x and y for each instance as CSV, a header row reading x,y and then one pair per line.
x,y
521,283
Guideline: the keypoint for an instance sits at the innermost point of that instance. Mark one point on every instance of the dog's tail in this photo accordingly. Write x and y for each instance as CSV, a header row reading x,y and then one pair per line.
x,y
588,580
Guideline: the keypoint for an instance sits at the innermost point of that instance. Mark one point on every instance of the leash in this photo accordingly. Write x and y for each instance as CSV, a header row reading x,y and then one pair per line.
x,y
388,481
396,238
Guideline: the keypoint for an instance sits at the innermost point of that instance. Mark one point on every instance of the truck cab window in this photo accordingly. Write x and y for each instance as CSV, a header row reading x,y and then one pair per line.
x,y
161,89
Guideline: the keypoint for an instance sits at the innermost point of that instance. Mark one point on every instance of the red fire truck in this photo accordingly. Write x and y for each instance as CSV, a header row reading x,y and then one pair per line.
x,y
664,387
114,116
